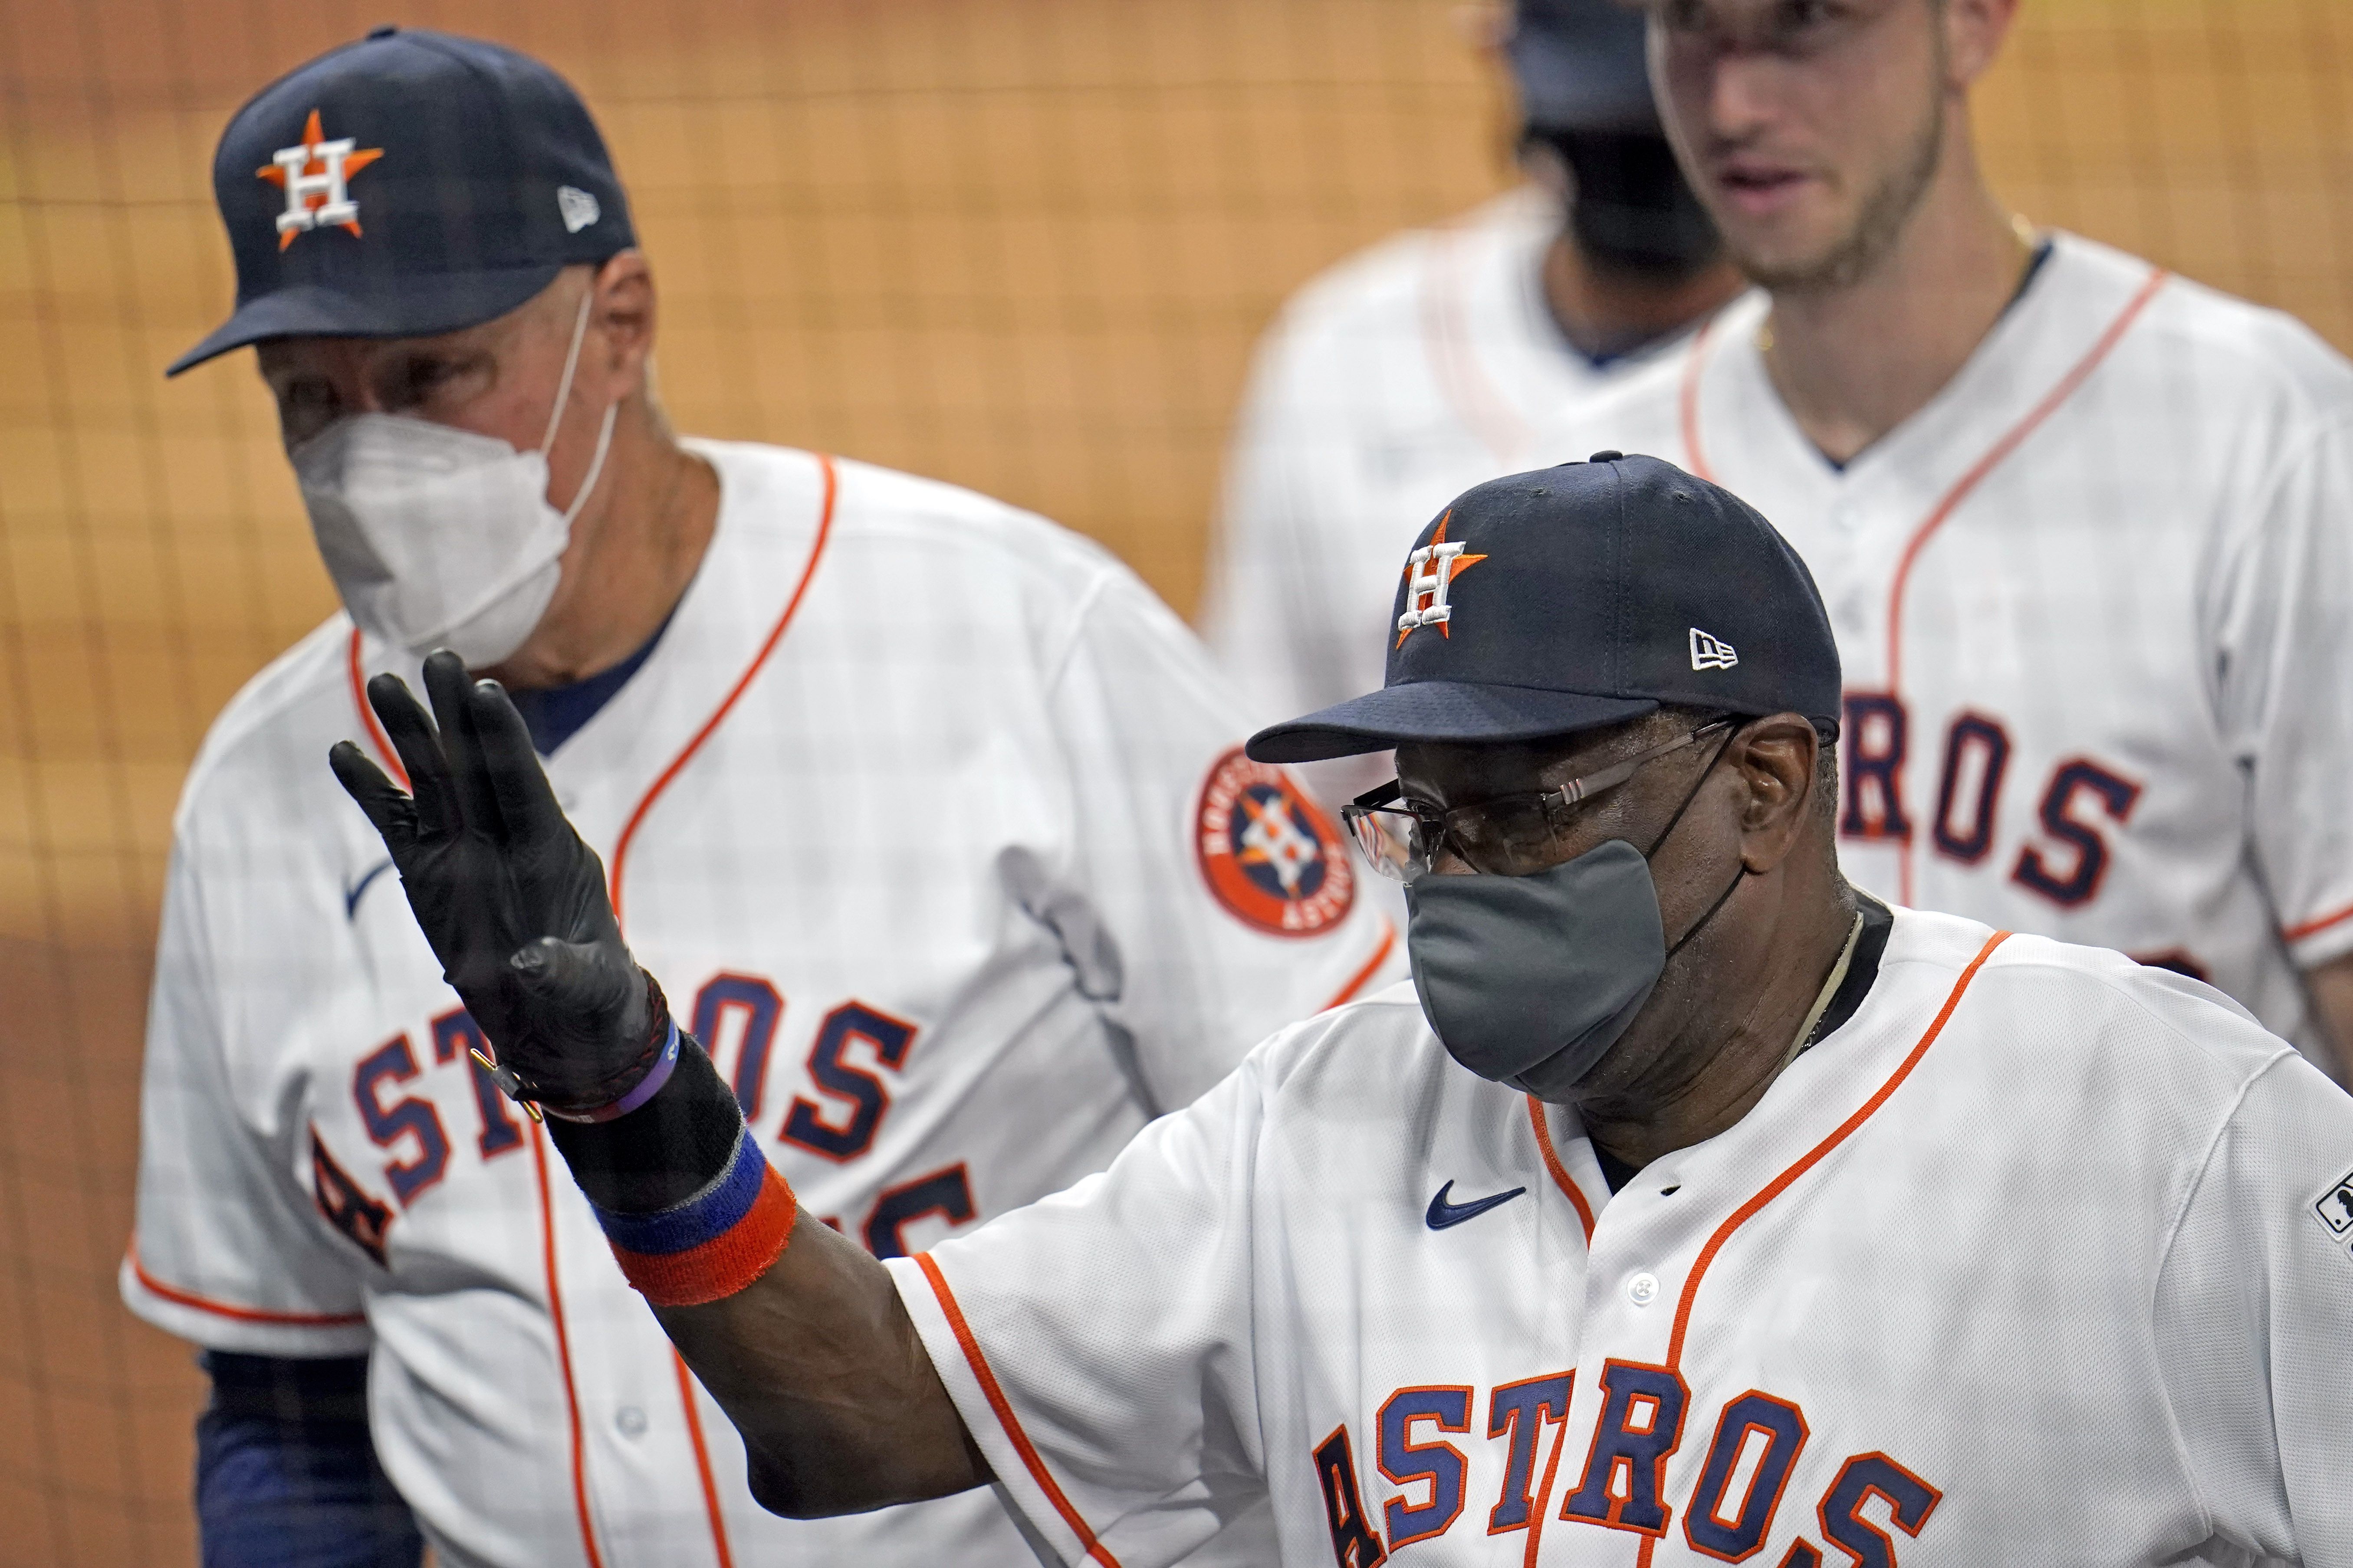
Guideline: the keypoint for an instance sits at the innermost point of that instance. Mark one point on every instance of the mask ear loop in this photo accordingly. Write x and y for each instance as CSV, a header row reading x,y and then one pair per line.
x,y
1723,898
571,363
1692,793
1737,878
564,395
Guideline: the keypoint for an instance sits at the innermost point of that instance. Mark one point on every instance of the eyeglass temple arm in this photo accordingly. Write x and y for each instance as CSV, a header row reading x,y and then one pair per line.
x,y
1576,789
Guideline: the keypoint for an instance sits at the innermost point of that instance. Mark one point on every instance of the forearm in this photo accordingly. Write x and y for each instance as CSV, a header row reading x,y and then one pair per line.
x,y
820,1369
799,1334
811,1355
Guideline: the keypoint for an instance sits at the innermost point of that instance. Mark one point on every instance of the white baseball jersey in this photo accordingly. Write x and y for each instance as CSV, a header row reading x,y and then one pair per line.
x,y
2040,1257
928,816
1388,387
2095,603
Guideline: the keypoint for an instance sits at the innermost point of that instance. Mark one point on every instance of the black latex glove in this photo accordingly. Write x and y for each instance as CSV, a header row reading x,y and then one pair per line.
x,y
511,901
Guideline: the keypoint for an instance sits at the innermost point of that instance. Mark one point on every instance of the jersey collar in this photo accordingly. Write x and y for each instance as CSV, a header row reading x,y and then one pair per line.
x,y
1873,922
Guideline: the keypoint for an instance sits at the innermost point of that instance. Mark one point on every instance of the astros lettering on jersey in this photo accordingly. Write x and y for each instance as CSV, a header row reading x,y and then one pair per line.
x,y
2040,1257
2094,604
937,818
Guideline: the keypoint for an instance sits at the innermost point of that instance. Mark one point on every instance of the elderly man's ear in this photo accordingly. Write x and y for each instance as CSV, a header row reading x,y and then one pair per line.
x,y
623,313
1777,760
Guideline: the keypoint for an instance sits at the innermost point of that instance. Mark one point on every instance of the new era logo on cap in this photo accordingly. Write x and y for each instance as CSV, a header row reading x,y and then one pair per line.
x,y
1710,652
579,207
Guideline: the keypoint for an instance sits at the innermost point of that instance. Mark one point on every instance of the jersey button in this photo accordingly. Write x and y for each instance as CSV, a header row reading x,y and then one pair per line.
x,y
1642,1289
630,1421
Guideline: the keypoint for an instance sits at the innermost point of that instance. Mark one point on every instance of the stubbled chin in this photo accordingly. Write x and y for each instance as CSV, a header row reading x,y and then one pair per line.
x,y
1781,262
1785,236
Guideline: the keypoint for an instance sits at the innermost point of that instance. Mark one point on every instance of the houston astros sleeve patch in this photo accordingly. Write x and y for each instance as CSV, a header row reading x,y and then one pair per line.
x,y
1268,852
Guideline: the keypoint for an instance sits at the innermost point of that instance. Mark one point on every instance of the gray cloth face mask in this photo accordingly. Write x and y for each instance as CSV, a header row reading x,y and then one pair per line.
x,y
1530,980
1543,971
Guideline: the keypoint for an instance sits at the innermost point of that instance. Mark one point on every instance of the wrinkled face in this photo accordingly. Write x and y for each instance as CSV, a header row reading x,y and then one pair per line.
x,y
1810,128
496,379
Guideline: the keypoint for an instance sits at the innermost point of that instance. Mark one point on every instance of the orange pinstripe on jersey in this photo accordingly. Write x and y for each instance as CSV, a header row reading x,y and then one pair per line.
x,y
1559,1173
1381,950
701,1460
1807,1162
727,704
1005,1418
2009,441
1542,1510
562,1343
2298,932
1482,410
228,1310
1687,403
719,1543
376,737
546,1212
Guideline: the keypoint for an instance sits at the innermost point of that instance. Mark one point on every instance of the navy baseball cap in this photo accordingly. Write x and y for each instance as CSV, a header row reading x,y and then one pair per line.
x,y
409,184
1580,65
1569,598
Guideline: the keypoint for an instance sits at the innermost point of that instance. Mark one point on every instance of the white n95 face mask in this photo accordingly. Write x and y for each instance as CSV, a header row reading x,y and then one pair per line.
x,y
438,537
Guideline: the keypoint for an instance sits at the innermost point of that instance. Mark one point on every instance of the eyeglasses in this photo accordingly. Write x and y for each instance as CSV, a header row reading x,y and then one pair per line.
x,y
1509,835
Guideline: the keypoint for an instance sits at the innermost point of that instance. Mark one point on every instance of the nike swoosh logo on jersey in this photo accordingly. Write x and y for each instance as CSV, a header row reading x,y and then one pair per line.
x,y
357,890
1444,1214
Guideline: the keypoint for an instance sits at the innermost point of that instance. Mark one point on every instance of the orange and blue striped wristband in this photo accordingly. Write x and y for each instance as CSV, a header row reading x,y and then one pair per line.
x,y
711,1245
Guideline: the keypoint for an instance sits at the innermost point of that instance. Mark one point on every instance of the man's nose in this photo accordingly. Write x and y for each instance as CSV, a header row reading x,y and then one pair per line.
x,y
357,391
1743,93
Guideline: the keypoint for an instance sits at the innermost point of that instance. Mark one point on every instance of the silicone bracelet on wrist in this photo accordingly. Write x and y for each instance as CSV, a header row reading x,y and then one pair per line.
x,y
648,1086
715,1243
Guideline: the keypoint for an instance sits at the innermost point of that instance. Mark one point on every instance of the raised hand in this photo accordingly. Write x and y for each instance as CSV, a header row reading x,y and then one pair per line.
x,y
511,901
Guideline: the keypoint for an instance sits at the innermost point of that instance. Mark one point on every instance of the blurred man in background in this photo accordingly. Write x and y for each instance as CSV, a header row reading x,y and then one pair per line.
x,y
1438,359
2082,525
938,819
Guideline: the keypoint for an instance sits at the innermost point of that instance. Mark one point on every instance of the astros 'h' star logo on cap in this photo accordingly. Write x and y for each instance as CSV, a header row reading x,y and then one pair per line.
x,y
1428,572
313,177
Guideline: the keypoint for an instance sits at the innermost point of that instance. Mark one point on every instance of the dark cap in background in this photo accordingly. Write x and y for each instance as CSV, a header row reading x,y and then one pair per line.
x,y
408,184
1580,65
1547,603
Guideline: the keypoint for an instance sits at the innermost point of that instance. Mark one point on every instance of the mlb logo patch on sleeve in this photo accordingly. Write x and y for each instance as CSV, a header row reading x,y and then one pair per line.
x,y
2334,1209
1270,857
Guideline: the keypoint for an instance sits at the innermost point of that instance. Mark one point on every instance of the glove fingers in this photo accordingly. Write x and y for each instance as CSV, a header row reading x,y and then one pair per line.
x,y
447,682
389,810
414,740
525,802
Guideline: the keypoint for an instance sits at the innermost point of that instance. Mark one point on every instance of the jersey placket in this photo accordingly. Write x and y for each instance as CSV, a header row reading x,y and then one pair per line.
x,y
1645,1240
628,1434
1639,1426
1873,546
